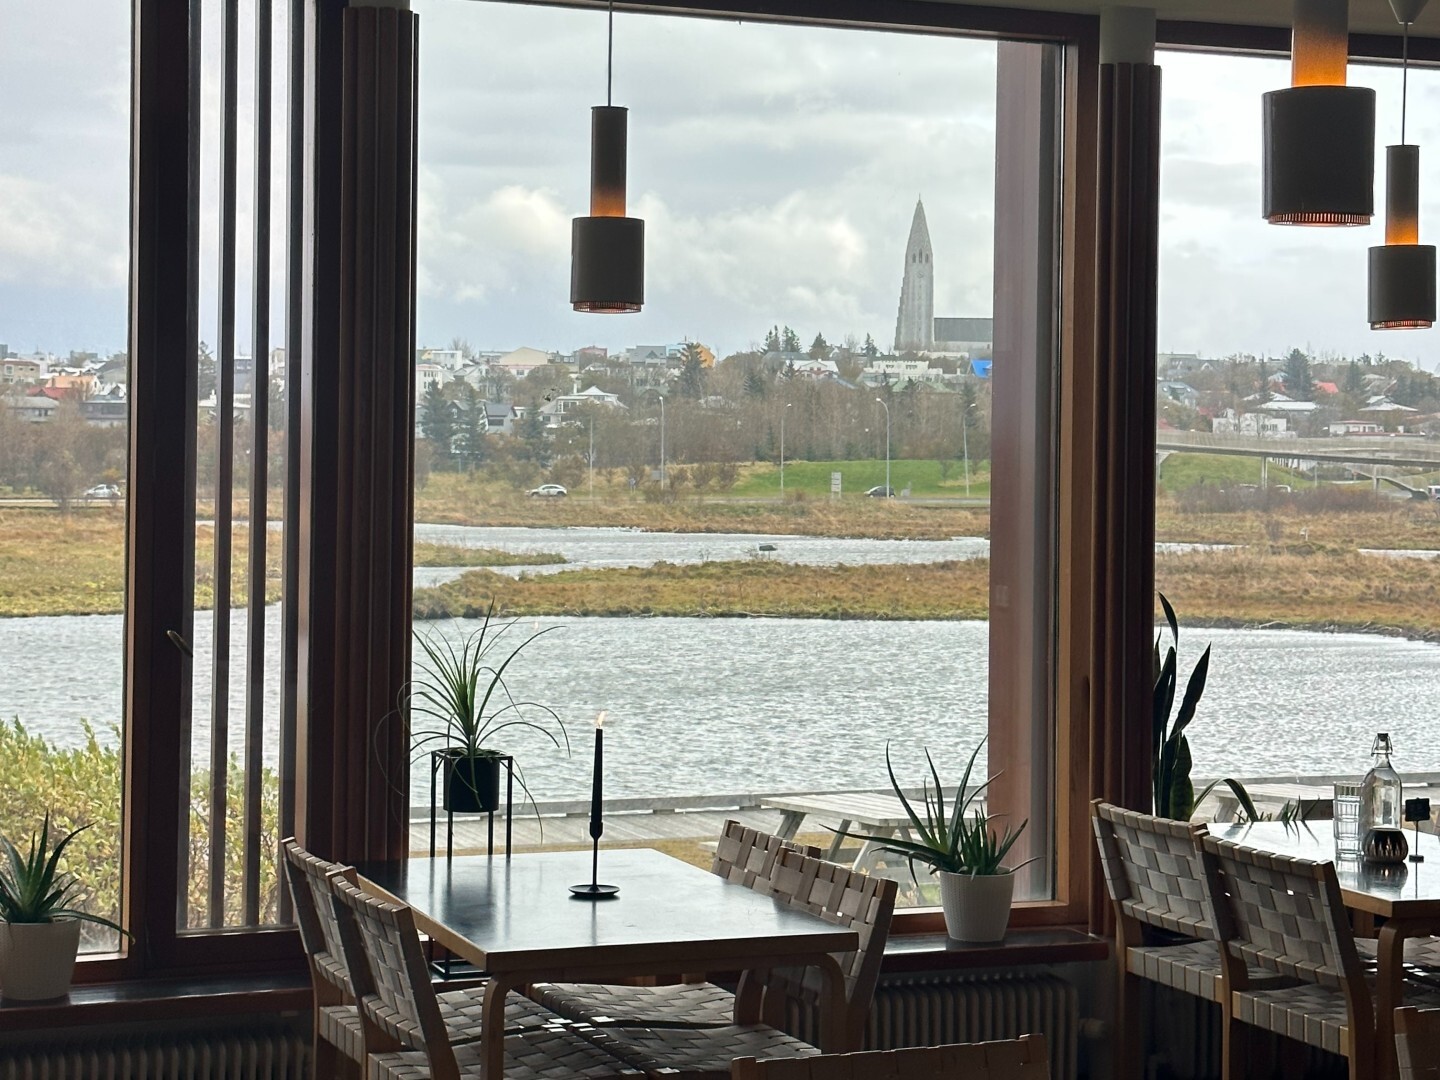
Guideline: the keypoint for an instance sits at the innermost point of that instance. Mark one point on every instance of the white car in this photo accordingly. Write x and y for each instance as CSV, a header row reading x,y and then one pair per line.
x,y
547,491
103,491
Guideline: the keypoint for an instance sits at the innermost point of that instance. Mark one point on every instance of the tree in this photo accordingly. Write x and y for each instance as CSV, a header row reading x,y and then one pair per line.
x,y
60,472
819,348
755,384
789,340
437,423
531,433
471,425
275,409
1299,383
691,382
772,340
870,349
205,372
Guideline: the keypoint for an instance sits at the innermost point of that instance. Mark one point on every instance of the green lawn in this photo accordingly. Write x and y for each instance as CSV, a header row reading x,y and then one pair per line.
x,y
813,478
1181,471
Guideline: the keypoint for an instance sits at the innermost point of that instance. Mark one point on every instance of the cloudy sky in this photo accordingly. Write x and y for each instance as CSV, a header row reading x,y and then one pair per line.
x,y
776,169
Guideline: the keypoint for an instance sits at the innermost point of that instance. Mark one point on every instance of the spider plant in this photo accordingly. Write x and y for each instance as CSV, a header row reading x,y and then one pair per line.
x,y
32,887
460,697
955,840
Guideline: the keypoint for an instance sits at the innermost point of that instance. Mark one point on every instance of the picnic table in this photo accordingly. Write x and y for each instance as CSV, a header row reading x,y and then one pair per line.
x,y
861,811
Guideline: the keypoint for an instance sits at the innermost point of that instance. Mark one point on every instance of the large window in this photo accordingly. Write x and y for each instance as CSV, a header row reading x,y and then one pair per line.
x,y
64,418
1296,449
691,501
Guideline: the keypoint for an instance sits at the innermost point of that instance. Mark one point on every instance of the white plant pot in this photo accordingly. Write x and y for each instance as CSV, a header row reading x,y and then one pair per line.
x,y
37,959
976,908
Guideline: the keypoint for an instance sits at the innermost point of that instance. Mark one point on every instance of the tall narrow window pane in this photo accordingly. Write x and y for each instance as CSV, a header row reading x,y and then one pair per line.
x,y
64,153
1297,452
229,876
751,522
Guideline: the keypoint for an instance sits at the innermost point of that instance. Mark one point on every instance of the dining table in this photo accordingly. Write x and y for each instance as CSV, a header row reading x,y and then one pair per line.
x,y
1400,900
515,919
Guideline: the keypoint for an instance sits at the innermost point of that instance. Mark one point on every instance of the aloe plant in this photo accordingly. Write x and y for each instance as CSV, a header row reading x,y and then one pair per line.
x,y
32,887
1174,792
957,840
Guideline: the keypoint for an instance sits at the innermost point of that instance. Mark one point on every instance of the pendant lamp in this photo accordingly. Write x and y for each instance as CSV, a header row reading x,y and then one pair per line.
x,y
1319,134
607,249
1402,272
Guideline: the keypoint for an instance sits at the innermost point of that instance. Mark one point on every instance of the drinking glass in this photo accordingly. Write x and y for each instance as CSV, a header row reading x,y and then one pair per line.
x,y
1347,818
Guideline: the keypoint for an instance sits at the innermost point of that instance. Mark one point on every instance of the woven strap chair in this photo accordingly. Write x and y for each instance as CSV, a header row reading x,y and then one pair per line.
x,y
1024,1058
744,856
841,896
1284,915
1153,874
1417,1043
338,1048
404,1030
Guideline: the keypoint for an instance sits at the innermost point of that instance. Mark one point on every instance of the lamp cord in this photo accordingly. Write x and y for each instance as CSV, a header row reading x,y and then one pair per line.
x,y
610,65
1404,79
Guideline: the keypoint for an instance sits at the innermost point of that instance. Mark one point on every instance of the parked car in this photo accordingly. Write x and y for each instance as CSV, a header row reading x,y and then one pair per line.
x,y
548,491
103,491
881,491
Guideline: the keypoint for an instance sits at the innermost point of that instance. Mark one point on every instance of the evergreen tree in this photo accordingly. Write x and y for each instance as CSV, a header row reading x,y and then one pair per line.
x,y
205,372
789,340
471,425
437,423
531,432
691,383
870,349
1354,381
1299,383
819,348
772,340
755,384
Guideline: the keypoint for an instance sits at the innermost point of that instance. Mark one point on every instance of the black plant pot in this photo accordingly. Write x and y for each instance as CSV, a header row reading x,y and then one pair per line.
x,y
472,784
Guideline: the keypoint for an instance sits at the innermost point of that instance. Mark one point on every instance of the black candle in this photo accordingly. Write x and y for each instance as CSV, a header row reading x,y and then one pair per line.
x,y
597,822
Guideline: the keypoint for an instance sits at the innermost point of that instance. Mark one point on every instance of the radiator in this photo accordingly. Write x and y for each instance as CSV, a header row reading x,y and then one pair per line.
x,y
221,1056
933,1009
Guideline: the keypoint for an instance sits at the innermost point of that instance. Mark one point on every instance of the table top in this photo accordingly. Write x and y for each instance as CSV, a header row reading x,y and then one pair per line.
x,y
1404,890
862,807
517,914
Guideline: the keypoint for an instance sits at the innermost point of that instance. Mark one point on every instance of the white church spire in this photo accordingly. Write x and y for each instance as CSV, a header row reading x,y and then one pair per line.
x,y
915,324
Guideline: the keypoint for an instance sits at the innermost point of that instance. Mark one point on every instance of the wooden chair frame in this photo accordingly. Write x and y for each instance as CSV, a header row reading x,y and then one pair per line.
x,y
1417,1043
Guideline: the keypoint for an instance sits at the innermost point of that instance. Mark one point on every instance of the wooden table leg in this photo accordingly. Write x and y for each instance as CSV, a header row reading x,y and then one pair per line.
x,y
492,1024
789,824
1389,994
835,1036
837,839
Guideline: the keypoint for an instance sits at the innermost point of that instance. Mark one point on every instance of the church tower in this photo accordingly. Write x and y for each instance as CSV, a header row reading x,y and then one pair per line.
x,y
915,325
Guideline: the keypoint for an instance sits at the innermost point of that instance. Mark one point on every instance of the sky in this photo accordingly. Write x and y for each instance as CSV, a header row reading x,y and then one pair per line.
x,y
776,169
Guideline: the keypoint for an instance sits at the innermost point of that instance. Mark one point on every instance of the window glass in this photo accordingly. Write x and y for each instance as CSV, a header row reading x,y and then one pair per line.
x,y
690,503
1296,449
64,153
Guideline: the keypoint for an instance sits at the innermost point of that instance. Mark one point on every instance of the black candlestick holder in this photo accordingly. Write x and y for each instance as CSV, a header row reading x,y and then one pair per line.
x,y
1416,811
593,890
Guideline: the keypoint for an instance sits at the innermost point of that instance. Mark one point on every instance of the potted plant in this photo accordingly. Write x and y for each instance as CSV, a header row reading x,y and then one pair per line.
x,y
461,702
962,850
1174,792
41,933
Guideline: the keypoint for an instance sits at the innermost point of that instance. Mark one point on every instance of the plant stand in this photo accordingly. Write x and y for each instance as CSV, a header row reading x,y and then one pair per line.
x,y
436,758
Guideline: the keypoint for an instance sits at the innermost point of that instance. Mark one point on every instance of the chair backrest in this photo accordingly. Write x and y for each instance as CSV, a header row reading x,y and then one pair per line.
x,y
398,1007
1280,914
1152,869
1417,1043
319,932
1013,1059
748,856
845,897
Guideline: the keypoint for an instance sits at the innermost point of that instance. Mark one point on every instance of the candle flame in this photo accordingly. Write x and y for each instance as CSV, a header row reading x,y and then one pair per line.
x,y
600,718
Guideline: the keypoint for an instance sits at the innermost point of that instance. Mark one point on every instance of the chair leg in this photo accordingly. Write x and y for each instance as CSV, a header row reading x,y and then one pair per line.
x,y
328,1061
1235,1044
1129,1047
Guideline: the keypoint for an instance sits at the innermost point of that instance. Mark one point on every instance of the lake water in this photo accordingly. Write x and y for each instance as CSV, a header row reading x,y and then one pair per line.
x,y
731,705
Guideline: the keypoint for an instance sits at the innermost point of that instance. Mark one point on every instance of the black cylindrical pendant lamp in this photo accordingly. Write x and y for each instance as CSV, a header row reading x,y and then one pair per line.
x,y
1319,135
607,249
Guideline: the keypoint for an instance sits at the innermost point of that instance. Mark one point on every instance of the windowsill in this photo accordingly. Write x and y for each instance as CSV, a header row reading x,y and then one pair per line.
x,y
159,999
1038,945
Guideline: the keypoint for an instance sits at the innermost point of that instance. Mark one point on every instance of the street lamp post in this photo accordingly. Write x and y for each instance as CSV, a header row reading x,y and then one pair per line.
x,y
783,411
591,459
888,490
662,441
965,440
